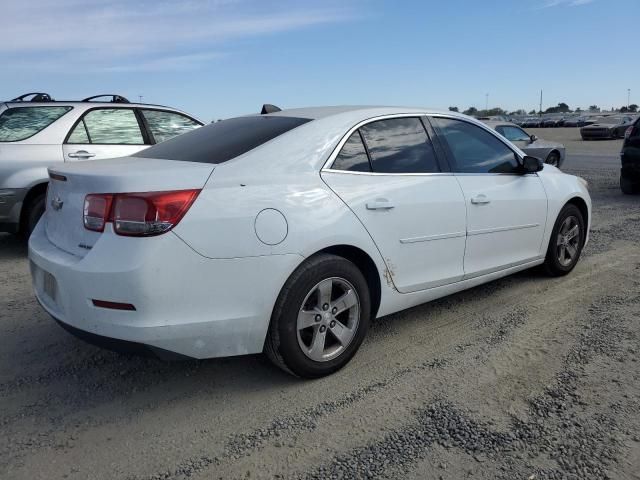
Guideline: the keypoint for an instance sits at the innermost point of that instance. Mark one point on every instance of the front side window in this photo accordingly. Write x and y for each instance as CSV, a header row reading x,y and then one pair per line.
x,y
108,126
165,125
513,134
20,123
474,150
353,156
399,145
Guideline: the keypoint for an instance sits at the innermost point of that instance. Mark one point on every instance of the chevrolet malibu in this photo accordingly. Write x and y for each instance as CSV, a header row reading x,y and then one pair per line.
x,y
287,232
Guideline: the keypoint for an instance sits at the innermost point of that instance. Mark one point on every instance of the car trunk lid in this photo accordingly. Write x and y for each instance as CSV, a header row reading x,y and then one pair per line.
x,y
69,184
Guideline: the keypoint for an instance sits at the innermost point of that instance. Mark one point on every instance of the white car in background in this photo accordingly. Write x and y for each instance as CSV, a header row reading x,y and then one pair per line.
x,y
288,232
37,131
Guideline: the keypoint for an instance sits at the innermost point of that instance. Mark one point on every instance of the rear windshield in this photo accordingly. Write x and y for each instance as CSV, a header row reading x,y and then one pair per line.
x,y
224,140
20,123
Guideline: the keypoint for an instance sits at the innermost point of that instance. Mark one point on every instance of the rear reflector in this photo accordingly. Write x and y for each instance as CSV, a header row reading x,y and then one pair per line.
x,y
137,214
112,305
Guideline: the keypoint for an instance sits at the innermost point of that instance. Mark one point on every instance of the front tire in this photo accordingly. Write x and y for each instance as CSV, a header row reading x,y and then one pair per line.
x,y
566,242
553,159
320,318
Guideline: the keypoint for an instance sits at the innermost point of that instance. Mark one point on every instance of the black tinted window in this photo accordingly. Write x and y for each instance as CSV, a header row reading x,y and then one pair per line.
x,y
353,156
222,141
473,150
399,145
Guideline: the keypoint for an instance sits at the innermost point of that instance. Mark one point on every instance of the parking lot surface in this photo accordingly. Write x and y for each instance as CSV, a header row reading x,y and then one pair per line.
x,y
525,377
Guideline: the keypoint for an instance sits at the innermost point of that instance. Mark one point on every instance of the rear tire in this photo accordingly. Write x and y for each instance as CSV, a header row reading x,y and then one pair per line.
x,y
317,350
627,186
565,244
32,214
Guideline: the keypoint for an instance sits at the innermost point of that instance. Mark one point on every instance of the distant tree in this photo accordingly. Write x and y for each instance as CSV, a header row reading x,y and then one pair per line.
x,y
471,111
532,112
594,108
578,110
560,108
624,109
633,108
453,109
520,111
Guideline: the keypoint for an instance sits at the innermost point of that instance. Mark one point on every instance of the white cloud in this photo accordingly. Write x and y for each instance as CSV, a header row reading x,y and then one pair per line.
x,y
122,35
568,3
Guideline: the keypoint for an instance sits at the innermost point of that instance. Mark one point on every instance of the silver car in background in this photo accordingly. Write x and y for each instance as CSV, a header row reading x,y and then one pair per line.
x,y
37,131
551,153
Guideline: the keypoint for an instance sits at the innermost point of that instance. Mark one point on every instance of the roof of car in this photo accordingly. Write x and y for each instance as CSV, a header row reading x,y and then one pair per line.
x,y
364,111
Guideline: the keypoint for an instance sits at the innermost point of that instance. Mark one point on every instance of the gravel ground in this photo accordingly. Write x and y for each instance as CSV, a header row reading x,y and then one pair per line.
x,y
527,377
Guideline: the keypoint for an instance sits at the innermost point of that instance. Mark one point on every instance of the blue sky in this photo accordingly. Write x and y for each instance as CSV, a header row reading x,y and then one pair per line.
x,y
218,58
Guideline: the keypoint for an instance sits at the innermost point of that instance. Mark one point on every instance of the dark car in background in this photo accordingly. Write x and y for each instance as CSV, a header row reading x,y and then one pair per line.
x,y
630,160
606,127
553,122
531,122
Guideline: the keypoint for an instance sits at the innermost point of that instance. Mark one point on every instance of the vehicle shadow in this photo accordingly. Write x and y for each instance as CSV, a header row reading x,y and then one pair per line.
x,y
12,246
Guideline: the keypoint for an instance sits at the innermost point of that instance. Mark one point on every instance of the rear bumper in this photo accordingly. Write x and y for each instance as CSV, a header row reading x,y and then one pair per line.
x,y
185,304
10,207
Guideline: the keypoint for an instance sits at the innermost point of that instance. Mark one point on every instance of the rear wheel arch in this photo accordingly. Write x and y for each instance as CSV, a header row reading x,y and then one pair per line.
x,y
34,192
366,265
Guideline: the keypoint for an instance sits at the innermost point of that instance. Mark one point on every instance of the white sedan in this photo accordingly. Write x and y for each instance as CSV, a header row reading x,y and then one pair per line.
x,y
288,232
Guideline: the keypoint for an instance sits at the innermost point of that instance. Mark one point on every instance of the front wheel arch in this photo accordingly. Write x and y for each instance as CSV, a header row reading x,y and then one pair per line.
x,y
35,191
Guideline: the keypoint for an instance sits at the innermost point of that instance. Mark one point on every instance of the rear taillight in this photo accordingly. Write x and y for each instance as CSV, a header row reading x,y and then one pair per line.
x,y
137,214
96,211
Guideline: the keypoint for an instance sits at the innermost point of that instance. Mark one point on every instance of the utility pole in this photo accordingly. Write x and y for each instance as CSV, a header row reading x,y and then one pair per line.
x,y
628,97
540,111
140,98
486,102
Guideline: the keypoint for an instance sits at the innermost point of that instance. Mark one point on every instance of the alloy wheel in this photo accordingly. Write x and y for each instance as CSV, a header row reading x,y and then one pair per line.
x,y
568,241
328,319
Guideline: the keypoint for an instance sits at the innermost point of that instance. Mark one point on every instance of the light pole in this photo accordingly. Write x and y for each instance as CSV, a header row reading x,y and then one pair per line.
x,y
628,97
486,102
140,98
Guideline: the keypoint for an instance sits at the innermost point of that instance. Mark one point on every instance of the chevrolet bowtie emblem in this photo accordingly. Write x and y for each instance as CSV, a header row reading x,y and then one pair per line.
x,y
56,203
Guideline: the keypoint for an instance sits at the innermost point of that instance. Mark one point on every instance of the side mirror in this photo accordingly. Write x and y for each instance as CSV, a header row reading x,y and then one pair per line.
x,y
533,138
531,164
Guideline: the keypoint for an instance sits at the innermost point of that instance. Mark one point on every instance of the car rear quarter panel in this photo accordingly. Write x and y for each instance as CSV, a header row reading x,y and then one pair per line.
x,y
23,165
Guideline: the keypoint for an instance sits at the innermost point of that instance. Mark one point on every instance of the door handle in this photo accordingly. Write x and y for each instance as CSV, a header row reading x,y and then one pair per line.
x,y
480,200
380,204
81,154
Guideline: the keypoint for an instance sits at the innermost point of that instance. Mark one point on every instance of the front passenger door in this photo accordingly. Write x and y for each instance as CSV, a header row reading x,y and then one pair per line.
x,y
104,133
506,211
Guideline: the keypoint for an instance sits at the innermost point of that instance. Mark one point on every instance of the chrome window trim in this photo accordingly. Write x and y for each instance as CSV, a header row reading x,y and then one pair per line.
x,y
381,174
336,151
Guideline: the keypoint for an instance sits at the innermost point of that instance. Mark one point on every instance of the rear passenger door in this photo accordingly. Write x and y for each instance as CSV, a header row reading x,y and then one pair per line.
x,y
105,133
387,172
506,210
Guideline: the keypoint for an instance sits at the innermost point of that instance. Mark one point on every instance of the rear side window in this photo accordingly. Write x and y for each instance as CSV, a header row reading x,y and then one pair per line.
x,y
353,156
399,145
224,140
20,123
108,126
474,150
165,125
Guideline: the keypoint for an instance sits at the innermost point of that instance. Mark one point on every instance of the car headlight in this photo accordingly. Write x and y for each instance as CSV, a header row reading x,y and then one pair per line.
x,y
583,182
